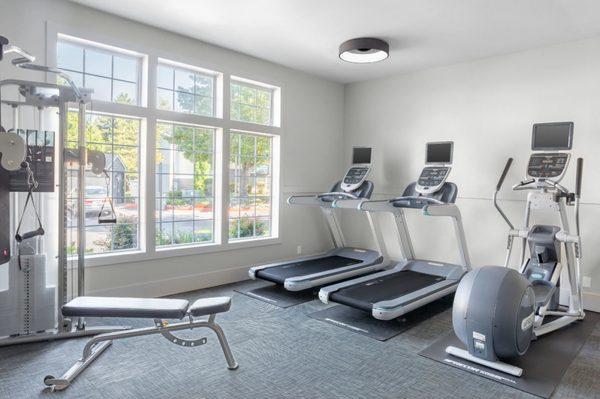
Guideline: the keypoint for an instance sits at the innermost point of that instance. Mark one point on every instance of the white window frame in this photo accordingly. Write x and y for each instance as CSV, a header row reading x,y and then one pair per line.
x,y
217,86
275,189
217,191
142,62
141,182
150,115
275,111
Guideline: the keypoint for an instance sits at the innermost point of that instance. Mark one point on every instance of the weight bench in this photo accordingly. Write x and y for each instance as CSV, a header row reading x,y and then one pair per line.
x,y
157,309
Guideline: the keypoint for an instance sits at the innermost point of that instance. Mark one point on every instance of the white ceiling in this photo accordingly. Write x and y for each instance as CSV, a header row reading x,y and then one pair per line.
x,y
305,34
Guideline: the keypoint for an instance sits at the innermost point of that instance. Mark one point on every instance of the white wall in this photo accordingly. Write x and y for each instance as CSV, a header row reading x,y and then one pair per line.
x,y
487,108
312,120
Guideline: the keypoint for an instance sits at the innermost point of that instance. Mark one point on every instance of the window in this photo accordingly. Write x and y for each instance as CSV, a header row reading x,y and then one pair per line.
x,y
114,76
185,175
250,182
185,90
251,103
192,212
118,139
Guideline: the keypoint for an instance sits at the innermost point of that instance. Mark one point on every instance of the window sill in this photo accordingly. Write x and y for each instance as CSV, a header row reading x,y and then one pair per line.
x,y
174,252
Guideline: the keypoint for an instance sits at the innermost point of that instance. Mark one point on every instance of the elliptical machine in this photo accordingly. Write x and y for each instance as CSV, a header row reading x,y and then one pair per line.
x,y
498,311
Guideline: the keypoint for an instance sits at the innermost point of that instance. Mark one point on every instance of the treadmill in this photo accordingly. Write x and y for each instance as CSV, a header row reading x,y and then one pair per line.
x,y
411,283
341,262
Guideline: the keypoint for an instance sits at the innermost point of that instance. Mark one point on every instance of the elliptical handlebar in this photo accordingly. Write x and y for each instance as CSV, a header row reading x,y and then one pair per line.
x,y
498,187
504,173
578,177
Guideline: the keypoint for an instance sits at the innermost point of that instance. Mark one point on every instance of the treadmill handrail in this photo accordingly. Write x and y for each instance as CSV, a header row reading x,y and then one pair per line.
x,y
338,193
387,205
348,203
443,209
415,197
316,199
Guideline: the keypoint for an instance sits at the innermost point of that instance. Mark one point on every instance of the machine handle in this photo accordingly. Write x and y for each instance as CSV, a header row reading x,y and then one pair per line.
x,y
20,237
504,173
3,42
578,177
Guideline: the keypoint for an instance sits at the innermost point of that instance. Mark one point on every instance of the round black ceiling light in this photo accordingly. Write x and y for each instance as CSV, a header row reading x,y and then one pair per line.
x,y
364,50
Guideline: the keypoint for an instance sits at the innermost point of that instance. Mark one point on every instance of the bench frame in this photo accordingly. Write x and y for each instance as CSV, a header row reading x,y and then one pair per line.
x,y
98,344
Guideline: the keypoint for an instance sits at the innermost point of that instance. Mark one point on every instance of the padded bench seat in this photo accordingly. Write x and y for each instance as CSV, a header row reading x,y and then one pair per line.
x,y
145,308
205,306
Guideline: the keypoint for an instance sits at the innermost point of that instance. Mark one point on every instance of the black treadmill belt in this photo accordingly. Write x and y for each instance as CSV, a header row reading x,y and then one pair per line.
x,y
364,295
278,274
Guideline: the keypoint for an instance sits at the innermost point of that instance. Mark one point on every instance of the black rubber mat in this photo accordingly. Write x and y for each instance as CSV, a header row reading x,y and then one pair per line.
x,y
364,323
364,295
544,364
278,274
278,296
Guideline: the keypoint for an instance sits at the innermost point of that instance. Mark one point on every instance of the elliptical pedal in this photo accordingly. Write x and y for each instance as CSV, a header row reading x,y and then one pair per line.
x,y
543,290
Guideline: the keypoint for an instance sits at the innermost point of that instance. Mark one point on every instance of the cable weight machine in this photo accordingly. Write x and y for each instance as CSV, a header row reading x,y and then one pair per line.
x,y
24,308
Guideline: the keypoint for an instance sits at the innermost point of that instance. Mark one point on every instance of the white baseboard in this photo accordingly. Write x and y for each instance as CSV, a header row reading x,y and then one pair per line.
x,y
175,285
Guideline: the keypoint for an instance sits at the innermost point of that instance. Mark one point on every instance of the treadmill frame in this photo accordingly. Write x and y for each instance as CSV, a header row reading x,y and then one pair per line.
x,y
390,309
371,260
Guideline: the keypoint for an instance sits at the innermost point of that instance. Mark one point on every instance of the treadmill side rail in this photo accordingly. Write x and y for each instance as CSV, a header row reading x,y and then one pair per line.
x,y
370,261
388,310
254,269
325,292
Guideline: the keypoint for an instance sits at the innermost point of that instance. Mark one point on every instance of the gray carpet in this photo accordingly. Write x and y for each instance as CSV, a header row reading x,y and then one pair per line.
x,y
282,354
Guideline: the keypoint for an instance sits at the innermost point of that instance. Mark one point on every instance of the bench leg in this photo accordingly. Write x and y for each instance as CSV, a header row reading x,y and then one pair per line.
x,y
231,363
58,384
100,343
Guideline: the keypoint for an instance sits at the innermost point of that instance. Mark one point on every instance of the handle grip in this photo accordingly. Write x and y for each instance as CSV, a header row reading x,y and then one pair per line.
x,y
39,232
107,221
504,173
578,177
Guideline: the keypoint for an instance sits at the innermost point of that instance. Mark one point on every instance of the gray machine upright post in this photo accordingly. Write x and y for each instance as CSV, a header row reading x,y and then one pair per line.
x,y
333,224
81,206
62,218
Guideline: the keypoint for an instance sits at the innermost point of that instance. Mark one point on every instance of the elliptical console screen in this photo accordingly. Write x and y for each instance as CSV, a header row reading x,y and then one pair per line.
x,y
361,155
552,136
439,153
547,165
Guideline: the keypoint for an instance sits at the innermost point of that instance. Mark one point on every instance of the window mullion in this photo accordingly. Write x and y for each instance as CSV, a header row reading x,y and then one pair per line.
x,y
149,177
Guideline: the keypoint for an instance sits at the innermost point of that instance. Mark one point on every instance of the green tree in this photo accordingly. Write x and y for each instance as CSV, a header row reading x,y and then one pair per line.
x,y
103,133
198,97
196,145
123,236
250,157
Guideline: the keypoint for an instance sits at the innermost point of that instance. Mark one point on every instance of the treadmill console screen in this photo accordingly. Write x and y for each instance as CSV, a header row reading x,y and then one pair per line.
x,y
354,178
356,175
439,153
552,136
361,155
547,165
432,178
